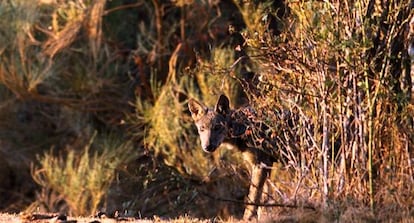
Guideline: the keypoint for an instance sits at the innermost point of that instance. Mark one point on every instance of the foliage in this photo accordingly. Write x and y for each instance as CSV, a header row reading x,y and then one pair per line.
x,y
338,68
54,90
84,179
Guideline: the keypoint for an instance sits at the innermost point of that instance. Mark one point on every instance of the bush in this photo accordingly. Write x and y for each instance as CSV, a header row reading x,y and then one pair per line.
x,y
82,180
339,69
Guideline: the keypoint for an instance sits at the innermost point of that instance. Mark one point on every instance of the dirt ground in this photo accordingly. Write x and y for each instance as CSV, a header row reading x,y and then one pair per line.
x,y
56,218
40,218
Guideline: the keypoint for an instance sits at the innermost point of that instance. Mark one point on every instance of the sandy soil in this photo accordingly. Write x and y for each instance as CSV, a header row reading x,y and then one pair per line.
x,y
17,218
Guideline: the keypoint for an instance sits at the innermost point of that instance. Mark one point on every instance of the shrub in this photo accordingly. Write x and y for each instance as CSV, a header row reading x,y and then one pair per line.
x,y
339,68
83,179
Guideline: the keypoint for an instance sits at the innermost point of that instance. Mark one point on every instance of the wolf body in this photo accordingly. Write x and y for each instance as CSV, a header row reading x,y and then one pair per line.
x,y
243,129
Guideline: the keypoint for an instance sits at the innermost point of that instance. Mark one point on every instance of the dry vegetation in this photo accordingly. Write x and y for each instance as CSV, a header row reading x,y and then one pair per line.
x,y
93,113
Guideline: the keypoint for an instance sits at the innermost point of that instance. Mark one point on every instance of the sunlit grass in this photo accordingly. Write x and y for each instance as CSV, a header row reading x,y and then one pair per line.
x,y
83,178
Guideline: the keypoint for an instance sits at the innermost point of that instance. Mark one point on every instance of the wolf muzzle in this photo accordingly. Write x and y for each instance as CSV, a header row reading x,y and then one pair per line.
x,y
210,148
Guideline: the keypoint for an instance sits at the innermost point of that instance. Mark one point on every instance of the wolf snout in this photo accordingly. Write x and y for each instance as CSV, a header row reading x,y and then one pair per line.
x,y
210,148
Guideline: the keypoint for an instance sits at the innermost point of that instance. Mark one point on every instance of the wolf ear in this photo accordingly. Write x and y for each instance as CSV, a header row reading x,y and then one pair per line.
x,y
222,106
197,109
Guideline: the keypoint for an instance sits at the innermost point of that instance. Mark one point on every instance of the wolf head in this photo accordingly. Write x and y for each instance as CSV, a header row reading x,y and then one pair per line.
x,y
211,123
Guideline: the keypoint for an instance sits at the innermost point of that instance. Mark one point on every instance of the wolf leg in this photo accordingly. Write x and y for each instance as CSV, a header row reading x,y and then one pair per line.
x,y
259,175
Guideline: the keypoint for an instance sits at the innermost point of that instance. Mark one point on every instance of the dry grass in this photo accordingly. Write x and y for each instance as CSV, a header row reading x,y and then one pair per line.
x,y
340,68
81,180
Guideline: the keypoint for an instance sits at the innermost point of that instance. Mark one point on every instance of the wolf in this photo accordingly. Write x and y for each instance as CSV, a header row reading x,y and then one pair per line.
x,y
244,130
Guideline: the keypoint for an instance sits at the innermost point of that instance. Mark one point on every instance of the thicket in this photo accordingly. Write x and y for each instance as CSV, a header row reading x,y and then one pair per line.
x,y
93,111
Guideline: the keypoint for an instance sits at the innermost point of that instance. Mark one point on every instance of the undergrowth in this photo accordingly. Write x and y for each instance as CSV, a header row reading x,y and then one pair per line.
x,y
72,70
82,179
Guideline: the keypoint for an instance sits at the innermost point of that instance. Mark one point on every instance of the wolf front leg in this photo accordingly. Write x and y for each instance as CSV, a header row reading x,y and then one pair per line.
x,y
259,175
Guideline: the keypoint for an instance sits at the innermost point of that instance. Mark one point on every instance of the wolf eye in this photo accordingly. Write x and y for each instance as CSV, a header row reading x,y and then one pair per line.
x,y
217,127
202,129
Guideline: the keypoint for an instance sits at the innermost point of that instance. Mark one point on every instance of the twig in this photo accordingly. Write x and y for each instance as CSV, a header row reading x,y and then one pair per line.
x,y
257,204
134,5
237,61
